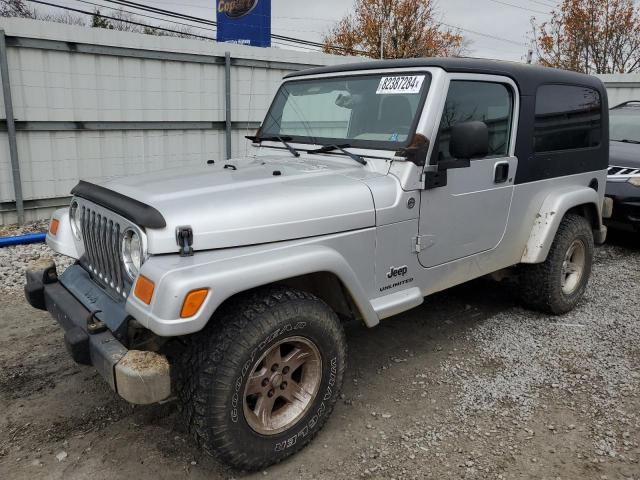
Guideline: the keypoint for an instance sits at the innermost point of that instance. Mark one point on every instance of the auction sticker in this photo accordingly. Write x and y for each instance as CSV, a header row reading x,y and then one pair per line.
x,y
402,84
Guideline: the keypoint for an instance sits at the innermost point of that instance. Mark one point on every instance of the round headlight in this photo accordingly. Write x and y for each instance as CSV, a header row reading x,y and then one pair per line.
x,y
75,220
132,254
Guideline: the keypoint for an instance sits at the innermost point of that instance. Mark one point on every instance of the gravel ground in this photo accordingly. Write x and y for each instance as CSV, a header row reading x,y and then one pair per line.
x,y
468,385
32,227
15,260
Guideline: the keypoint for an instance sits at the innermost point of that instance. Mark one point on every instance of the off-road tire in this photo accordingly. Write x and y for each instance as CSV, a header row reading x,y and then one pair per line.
x,y
215,368
541,284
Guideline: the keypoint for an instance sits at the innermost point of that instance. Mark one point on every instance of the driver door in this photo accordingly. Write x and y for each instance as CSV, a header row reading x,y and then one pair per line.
x,y
469,214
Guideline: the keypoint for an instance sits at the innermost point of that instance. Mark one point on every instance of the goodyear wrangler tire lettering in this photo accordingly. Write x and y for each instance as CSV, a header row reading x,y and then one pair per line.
x,y
291,358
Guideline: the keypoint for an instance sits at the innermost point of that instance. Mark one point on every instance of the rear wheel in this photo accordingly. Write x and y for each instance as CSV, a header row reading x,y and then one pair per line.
x,y
557,285
260,382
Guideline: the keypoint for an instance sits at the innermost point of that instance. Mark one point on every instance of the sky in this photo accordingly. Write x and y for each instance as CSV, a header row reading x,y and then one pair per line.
x,y
495,28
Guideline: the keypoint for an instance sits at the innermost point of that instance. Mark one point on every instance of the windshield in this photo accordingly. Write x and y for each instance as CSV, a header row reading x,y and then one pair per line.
x,y
624,124
367,111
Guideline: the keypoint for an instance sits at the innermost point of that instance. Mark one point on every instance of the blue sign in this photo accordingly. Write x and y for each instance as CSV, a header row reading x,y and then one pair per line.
x,y
245,22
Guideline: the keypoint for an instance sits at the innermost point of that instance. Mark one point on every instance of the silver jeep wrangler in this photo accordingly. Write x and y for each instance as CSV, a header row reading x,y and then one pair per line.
x,y
368,187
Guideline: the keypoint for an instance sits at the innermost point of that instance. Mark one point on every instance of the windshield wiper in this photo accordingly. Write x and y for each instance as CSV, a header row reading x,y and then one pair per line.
x,y
330,148
283,140
626,140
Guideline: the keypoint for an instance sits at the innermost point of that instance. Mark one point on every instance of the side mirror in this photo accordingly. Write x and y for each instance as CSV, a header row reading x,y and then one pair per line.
x,y
469,140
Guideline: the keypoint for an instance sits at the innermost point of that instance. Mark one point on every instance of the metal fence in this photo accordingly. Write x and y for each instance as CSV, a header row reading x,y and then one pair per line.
x,y
96,104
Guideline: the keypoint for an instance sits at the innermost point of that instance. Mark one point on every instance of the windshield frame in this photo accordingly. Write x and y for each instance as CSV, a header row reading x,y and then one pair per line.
x,y
355,143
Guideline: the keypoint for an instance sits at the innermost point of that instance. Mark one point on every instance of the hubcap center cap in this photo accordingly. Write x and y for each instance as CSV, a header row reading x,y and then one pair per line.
x,y
276,379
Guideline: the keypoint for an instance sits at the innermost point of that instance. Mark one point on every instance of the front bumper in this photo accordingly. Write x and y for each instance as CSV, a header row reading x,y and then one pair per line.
x,y
626,205
139,377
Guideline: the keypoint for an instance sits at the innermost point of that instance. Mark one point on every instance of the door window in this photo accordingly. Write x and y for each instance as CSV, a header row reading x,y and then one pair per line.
x,y
489,102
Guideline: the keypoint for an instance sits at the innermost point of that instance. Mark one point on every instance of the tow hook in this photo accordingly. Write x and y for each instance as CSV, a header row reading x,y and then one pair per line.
x,y
94,325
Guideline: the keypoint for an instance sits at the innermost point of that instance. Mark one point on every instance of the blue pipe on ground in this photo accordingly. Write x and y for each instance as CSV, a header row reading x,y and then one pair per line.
x,y
22,239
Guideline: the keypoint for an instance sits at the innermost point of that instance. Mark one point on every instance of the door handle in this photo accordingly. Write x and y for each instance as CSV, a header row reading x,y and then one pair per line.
x,y
501,172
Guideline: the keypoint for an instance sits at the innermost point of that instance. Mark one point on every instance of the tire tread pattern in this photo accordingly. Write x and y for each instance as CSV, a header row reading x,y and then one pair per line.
x,y
201,370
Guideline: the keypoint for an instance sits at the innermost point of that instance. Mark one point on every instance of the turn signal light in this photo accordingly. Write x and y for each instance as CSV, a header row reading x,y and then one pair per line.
x,y
144,289
193,301
53,227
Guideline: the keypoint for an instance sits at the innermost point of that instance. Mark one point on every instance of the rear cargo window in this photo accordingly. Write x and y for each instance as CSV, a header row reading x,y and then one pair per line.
x,y
567,117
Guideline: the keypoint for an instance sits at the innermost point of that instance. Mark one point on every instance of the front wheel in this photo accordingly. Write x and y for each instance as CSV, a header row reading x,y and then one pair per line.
x,y
557,285
260,382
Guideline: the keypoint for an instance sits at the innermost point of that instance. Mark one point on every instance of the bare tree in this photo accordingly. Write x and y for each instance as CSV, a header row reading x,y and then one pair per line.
x,y
64,17
405,29
16,8
19,9
126,22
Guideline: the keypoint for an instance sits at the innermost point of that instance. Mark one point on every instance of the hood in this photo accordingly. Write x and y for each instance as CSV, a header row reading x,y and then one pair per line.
x,y
265,199
624,155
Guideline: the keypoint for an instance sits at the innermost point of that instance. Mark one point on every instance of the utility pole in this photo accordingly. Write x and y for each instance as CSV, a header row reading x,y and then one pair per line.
x,y
382,43
530,49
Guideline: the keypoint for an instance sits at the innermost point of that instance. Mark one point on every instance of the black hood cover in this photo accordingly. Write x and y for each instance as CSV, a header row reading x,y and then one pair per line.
x,y
139,213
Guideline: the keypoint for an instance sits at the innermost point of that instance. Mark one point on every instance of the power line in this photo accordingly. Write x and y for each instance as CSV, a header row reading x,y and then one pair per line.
x,y
136,6
171,13
121,9
177,14
487,35
546,4
162,11
518,6
85,12
213,10
145,16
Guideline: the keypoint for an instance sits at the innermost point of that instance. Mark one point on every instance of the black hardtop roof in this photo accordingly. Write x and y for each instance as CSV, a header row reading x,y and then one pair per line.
x,y
527,77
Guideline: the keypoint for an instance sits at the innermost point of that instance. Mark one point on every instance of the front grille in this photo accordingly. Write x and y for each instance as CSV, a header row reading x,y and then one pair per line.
x,y
617,172
102,237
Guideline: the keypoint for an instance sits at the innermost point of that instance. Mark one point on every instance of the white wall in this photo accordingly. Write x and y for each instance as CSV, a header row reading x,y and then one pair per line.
x,y
64,86
621,87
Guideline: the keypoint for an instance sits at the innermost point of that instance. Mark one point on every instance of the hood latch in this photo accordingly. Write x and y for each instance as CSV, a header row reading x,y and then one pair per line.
x,y
184,238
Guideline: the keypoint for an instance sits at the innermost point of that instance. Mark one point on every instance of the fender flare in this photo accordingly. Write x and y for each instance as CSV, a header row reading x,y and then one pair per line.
x,y
551,213
229,276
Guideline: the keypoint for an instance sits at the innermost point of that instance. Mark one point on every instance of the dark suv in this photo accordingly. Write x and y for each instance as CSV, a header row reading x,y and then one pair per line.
x,y
623,181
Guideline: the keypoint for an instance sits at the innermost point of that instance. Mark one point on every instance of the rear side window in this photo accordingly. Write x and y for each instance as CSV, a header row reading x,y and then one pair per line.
x,y
567,117
491,103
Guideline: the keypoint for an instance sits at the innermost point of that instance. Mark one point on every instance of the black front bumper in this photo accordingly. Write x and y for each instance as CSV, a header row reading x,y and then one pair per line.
x,y
138,377
99,348
626,206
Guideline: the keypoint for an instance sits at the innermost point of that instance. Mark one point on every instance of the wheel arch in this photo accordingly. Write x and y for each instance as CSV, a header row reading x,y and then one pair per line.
x,y
325,285
330,288
581,201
